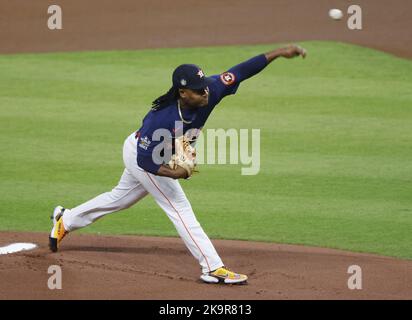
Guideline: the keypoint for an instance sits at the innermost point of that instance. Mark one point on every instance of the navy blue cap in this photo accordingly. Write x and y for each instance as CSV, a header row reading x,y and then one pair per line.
x,y
190,76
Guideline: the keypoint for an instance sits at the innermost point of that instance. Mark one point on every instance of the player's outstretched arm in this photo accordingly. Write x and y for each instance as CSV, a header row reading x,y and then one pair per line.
x,y
253,66
288,52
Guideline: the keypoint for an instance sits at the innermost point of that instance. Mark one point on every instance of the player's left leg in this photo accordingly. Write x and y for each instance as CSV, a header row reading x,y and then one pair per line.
x,y
170,196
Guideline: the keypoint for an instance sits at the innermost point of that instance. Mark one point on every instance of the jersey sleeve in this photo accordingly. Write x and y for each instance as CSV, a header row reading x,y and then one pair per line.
x,y
225,84
150,144
228,82
146,162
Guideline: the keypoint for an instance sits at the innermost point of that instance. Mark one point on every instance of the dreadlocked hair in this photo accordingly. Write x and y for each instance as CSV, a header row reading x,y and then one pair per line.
x,y
166,99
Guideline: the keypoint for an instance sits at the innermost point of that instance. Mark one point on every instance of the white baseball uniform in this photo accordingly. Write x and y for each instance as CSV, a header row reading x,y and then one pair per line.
x,y
136,183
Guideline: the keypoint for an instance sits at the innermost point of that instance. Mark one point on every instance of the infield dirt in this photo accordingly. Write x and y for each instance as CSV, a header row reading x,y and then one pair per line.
x,y
130,24
129,267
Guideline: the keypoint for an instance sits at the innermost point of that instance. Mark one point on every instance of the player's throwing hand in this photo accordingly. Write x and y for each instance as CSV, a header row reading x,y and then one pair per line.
x,y
288,52
293,51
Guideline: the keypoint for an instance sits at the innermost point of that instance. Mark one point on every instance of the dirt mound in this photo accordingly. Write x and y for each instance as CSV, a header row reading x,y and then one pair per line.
x,y
130,24
129,267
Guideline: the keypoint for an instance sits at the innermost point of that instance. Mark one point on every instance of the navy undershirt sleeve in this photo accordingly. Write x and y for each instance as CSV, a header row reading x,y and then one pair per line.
x,y
228,82
249,68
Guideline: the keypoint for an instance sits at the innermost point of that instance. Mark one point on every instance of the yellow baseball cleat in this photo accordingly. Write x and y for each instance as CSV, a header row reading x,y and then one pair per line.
x,y
224,275
58,232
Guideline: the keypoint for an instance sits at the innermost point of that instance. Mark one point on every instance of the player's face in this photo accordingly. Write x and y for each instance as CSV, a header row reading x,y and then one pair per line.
x,y
195,98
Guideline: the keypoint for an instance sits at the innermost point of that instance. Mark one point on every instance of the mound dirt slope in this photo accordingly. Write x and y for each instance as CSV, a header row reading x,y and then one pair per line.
x,y
130,24
129,267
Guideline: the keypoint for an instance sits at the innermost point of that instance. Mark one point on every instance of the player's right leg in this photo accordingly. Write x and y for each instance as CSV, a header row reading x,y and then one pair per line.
x,y
124,195
128,191
58,231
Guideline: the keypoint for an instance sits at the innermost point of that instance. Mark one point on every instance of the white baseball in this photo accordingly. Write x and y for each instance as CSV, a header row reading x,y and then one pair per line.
x,y
335,14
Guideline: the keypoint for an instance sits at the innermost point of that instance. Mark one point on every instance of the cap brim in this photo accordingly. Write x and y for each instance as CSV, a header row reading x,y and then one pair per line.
x,y
206,82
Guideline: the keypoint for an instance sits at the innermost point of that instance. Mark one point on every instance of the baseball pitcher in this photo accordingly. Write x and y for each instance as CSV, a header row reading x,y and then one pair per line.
x,y
153,166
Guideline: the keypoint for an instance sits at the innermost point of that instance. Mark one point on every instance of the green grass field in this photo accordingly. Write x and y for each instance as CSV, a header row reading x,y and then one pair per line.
x,y
336,144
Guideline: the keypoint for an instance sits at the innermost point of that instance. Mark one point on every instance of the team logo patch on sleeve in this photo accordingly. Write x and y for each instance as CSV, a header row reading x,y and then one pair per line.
x,y
227,78
144,143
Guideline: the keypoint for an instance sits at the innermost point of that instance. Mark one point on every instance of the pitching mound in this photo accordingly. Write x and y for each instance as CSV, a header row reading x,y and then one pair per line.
x,y
129,267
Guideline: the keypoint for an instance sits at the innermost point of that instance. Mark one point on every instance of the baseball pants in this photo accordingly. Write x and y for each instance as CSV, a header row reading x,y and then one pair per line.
x,y
136,183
